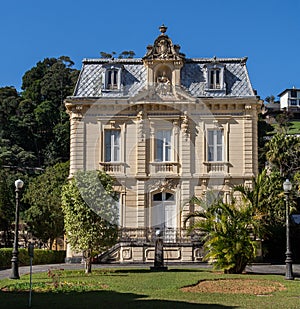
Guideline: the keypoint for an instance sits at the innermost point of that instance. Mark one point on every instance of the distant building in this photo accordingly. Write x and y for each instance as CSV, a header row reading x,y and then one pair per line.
x,y
167,128
290,100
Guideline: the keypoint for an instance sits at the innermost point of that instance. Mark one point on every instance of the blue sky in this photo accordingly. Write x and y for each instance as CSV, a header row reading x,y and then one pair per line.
x,y
266,31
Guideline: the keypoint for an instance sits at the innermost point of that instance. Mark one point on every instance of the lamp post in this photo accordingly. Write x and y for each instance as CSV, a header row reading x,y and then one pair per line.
x,y
287,187
14,261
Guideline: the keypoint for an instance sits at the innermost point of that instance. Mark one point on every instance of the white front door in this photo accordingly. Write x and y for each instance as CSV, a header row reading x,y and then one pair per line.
x,y
164,215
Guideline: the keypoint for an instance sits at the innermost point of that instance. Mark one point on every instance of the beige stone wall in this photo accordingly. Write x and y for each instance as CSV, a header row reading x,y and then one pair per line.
x,y
138,177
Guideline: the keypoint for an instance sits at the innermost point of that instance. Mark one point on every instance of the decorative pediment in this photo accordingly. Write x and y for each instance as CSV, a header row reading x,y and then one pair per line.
x,y
156,93
163,48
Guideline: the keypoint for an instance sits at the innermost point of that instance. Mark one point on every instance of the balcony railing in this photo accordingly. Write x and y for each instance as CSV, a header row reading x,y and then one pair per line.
x,y
147,235
164,168
113,167
217,167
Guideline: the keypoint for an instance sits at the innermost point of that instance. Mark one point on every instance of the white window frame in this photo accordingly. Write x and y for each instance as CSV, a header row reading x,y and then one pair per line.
x,y
163,137
113,78
214,154
112,145
215,77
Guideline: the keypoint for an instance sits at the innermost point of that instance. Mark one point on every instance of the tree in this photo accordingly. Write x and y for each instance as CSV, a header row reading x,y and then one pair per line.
x,y
107,55
44,216
90,210
41,116
264,131
283,152
267,198
7,209
270,99
229,228
126,54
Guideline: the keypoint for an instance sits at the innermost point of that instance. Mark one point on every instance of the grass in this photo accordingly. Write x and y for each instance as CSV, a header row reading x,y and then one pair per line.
x,y
132,288
294,128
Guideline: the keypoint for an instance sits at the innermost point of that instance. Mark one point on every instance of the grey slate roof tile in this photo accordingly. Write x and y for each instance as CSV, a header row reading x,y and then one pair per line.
x,y
134,78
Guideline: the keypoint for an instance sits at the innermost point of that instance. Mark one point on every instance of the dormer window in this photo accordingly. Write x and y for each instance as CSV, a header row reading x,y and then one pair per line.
x,y
215,76
214,79
113,78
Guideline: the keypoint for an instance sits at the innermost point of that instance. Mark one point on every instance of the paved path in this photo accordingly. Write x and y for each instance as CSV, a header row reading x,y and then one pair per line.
x,y
254,269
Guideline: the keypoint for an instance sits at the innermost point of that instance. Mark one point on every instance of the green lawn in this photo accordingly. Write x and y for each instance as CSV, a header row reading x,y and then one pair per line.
x,y
294,128
139,288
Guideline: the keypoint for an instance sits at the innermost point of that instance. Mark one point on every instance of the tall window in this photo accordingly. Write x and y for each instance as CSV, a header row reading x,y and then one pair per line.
x,y
214,79
163,146
215,145
112,145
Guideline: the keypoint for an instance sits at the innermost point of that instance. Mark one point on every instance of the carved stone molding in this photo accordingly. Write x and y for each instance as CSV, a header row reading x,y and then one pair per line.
x,y
162,184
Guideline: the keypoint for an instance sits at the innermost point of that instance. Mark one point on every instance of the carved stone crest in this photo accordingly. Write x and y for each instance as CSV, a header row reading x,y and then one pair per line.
x,y
163,48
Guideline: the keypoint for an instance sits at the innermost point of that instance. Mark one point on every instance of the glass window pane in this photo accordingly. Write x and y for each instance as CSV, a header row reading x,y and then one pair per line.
x,y
219,153
219,137
169,196
157,197
163,145
107,146
215,145
109,78
159,150
210,137
115,77
112,145
217,77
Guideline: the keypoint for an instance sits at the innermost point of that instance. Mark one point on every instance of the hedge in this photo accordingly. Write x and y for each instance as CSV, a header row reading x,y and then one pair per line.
x,y
40,257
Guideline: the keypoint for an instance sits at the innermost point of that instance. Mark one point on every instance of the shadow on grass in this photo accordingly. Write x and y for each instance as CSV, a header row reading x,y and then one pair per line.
x,y
95,299
275,273
170,270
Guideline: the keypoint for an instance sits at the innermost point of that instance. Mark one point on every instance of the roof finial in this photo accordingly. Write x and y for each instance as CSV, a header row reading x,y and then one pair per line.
x,y
163,29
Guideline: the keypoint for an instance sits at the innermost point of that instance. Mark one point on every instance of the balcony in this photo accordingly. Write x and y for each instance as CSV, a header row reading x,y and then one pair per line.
x,y
164,168
113,167
216,167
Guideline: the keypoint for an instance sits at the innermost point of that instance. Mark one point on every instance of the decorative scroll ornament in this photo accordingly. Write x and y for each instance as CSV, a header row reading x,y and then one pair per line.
x,y
163,184
185,125
141,127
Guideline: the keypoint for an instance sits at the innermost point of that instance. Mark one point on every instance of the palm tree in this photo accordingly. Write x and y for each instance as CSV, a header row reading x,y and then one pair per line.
x,y
229,230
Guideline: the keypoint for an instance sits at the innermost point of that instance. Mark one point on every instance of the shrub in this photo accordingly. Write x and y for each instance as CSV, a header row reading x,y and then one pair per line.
x,y
40,257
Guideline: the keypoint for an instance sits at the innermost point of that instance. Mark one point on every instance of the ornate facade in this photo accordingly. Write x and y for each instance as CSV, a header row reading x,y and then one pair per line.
x,y
167,128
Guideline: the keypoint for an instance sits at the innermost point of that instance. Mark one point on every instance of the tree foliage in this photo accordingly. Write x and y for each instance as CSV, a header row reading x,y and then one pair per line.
x,y
283,152
33,123
126,54
44,216
34,134
7,209
90,213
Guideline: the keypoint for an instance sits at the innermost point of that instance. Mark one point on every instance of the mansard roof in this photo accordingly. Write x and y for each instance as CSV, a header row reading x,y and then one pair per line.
x,y
193,73
193,77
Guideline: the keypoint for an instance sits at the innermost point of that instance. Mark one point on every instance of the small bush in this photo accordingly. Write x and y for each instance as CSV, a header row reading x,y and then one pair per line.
x,y
40,257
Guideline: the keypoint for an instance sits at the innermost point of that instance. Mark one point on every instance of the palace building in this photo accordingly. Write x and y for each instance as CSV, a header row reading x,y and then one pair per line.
x,y
167,128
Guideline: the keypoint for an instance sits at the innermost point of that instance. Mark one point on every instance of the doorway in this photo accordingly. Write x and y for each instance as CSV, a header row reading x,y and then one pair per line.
x,y
164,215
